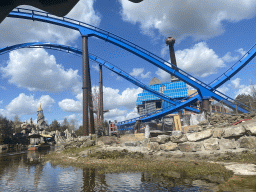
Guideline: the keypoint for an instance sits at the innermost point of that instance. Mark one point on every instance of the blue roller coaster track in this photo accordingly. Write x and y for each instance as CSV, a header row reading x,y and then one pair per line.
x,y
204,91
96,59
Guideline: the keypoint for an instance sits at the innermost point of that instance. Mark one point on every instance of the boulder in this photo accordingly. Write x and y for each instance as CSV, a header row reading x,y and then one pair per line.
x,y
250,127
83,138
211,144
248,142
131,143
100,143
190,147
217,133
205,122
154,139
88,143
163,138
178,138
169,146
232,131
154,146
199,135
227,144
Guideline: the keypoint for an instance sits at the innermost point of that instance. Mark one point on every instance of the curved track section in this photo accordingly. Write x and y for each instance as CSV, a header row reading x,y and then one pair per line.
x,y
205,91
100,61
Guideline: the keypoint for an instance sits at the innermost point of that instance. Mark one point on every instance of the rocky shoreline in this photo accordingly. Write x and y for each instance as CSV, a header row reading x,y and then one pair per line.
x,y
207,139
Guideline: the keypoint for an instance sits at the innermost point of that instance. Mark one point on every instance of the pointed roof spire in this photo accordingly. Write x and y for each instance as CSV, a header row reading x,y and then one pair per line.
x,y
39,108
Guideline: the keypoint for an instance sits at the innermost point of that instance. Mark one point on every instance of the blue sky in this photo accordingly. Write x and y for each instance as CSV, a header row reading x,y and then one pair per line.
x,y
210,37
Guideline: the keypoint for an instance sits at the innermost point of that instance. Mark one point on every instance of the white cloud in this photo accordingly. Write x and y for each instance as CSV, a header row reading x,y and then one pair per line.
x,y
241,51
199,19
223,89
111,98
241,89
138,72
37,70
200,60
96,67
229,58
1,102
70,105
27,105
120,115
2,87
162,75
15,31
236,83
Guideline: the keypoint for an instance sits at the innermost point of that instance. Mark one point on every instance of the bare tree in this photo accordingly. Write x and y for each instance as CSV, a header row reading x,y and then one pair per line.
x,y
95,99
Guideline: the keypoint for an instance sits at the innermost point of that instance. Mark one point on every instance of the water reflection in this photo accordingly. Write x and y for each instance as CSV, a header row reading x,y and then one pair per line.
x,y
28,172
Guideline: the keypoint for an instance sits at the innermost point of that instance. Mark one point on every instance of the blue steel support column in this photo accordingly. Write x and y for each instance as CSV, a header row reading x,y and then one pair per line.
x,y
85,84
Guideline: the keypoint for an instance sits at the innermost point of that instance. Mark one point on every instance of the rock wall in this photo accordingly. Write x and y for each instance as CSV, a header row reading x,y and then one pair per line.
x,y
210,136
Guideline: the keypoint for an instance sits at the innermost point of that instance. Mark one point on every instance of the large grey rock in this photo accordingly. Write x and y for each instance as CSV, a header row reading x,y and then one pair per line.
x,y
217,133
169,146
163,138
177,133
232,131
131,143
251,127
227,143
199,135
179,138
190,147
88,143
154,146
211,144
83,138
248,142
205,122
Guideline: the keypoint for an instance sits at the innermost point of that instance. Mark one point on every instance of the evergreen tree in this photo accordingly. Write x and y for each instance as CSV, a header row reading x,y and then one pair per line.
x,y
55,125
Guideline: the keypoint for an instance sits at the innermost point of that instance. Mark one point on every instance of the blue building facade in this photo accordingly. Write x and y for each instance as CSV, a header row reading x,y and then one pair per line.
x,y
147,102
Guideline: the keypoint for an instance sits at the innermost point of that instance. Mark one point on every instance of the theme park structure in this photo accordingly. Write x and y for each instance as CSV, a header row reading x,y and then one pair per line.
x,y
205,91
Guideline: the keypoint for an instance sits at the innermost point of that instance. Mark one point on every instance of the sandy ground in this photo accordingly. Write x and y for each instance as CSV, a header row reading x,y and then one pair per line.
x,y
239,168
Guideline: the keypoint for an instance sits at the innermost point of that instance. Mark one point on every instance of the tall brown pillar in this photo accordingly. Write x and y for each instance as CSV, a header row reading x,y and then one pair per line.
x,y
205,106
101,97
85,84
170,41
92,128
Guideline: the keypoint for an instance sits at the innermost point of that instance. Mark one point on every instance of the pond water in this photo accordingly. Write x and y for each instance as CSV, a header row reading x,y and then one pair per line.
x,y
27,172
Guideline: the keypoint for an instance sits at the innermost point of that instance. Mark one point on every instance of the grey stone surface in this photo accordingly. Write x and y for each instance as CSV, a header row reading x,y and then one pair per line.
x,y
88,143
232,131
190,146
131,143
154,146
199,135
217,133
163,138
154,139
177,133
251,127
205,122
248,142
83,138
169,146
227,144
211,144
178,138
